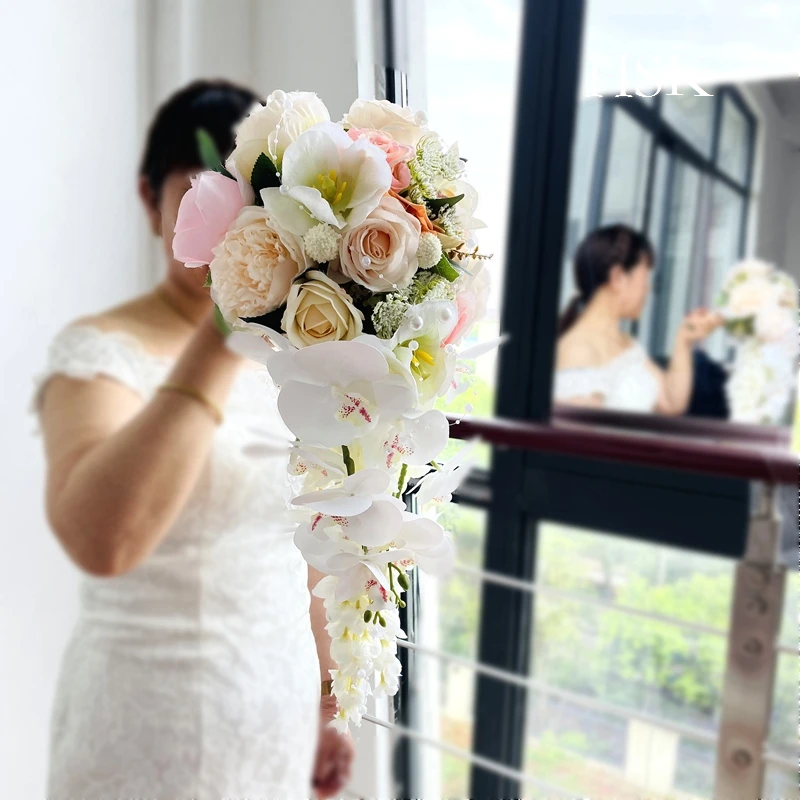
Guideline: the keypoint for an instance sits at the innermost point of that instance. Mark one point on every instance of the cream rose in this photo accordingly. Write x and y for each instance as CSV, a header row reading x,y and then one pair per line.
x,y
381,252
272,128
254,266
317,310
402,124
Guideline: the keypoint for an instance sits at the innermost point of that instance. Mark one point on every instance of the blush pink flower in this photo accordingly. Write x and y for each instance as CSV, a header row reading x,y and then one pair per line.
x,y
206,212
397,155
473,293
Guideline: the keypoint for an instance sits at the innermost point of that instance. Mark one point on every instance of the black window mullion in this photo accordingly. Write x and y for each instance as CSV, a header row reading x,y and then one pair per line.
x,y
546,113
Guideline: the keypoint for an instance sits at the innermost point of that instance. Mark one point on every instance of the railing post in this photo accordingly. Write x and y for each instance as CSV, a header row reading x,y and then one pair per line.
x,y
752,658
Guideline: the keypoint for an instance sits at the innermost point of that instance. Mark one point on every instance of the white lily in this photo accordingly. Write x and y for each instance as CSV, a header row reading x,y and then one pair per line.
x,y
335,392
336,180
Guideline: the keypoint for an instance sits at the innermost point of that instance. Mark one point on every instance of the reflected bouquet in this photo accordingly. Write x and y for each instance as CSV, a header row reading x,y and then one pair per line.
x,y
342,255
759,305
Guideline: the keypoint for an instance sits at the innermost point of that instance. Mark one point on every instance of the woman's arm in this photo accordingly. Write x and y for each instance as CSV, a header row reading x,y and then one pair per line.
x,y
678,379
119,471
318,622
335,751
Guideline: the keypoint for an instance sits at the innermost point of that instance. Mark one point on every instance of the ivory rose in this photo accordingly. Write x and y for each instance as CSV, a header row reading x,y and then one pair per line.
x,y
381,252
254,266
397,155
273,127
205,214
399,122
317,310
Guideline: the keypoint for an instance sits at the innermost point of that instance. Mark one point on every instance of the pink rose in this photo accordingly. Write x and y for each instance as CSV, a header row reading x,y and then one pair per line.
x,y
473,294
397,155
205,214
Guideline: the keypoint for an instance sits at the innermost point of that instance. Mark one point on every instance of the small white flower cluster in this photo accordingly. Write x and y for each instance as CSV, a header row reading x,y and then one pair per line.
x,y
429,252
321,243
363,632
432,167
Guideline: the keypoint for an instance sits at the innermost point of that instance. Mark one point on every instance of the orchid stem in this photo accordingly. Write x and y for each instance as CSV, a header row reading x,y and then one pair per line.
x,y
436,466
349,464
401,482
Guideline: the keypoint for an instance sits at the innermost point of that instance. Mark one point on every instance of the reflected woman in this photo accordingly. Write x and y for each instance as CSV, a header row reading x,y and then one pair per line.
x,y
193,670
597,364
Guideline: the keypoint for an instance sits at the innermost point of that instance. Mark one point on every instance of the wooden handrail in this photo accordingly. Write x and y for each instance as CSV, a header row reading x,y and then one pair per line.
x,y
744,457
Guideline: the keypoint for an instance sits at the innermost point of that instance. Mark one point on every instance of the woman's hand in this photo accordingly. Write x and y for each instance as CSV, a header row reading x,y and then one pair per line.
x,y
335,754
698,324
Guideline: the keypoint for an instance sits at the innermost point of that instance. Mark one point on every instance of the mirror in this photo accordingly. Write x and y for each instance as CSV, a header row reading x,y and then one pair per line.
x,y
682,253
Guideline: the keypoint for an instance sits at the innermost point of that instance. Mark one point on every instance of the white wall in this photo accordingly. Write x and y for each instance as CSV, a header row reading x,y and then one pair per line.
x,y
775,216
69,139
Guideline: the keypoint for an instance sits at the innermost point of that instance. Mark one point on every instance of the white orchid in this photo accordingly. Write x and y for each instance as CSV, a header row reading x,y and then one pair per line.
x,y
416,439
438,486
354,495
382,535
319,467
336,180
335,392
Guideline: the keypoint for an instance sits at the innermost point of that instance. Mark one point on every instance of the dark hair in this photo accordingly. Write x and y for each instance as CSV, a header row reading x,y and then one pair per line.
x,y
215,105
597,254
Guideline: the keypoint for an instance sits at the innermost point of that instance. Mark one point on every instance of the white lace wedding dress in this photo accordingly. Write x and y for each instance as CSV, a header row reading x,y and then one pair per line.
x,y
194,675
625,383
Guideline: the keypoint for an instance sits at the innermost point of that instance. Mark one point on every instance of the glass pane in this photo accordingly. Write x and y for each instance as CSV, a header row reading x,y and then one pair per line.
x,y
783,723
678,249
453,78
623,199
780,783
583,156
723,241
734,141
604,729
657,211
691,116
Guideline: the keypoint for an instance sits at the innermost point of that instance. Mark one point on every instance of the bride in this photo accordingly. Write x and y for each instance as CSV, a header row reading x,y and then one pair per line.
x,y
197,668
599,365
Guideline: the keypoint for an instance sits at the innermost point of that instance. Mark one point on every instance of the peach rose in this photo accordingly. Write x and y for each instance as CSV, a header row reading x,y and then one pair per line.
x,y
254,266
381,252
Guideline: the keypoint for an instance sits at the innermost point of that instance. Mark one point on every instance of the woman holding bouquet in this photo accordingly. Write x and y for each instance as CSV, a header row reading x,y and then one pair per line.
x,y
193,670
597,364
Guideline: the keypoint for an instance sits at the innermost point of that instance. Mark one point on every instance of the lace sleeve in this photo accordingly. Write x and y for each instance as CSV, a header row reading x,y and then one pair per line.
x,y
578,383
85,352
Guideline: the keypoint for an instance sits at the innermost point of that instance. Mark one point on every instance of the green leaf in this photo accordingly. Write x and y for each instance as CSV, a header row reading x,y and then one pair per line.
x,y
440,202
446,269
209,155
264,174
207,283
222,326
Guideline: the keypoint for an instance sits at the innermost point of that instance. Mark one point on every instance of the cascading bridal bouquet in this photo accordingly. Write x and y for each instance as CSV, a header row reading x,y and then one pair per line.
x,y
759,305
347,249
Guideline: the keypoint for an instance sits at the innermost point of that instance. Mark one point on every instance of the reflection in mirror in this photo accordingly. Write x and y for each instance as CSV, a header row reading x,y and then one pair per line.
x,y
679,292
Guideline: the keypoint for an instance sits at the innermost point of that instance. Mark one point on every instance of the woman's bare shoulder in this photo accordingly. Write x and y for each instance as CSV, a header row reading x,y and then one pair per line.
x,y
575,351
137,318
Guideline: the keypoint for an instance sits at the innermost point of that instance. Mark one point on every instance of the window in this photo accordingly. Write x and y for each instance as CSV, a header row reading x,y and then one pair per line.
x,y
690,196
626,175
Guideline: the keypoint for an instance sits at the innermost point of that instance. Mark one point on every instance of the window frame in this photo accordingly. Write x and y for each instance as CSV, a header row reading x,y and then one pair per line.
x,y
523,488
